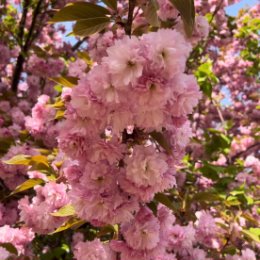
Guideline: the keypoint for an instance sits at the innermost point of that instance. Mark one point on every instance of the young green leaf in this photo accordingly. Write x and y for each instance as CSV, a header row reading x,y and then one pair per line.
x,y
73,222
79,11
90,26
19,159
253,234
28,184
66,81
40,159
59,114
65,211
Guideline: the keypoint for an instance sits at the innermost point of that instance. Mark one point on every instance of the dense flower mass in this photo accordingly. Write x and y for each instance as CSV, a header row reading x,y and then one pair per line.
x,y
138,140
108,183
37,214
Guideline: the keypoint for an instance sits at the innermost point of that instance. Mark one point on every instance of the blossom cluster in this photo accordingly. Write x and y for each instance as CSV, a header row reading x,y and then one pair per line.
x,y
116,164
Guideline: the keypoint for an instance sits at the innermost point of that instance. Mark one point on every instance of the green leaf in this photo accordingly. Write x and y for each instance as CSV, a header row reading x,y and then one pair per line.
x,y
84,56
206,78
79,11
59,114
152,206
187,12
232,201
40,159
5,144
253,234
90,26
65,211
162,141
111,3
58,104
66,81
165,200
71,223
207,196
211,171
250,218
58,88
150,13
106,230
28,184
10,248
19,159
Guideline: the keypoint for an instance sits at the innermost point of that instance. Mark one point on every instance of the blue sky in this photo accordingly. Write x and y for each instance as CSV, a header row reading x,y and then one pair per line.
x,y
233,9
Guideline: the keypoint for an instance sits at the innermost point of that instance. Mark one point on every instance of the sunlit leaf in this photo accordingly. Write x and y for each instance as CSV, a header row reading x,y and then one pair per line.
x,y
71,223
66,81
79,11
28,184
40,159
65,211
90,26
58,104
19,159
59,114
253,234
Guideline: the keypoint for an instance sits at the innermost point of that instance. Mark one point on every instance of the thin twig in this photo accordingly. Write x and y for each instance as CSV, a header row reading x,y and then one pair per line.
x,y
78,44
245,152
216,11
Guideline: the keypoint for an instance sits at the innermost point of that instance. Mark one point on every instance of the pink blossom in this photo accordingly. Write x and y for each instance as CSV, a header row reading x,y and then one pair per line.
x,y
37,213
166,51
143,232
186,95
20,238
206,229
145,167
93,250
125,67
167,10
4,254
181,237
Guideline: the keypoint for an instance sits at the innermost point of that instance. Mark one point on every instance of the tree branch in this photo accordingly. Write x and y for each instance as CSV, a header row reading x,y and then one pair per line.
x,y
25,47
78,44
23,21
245,152
128,25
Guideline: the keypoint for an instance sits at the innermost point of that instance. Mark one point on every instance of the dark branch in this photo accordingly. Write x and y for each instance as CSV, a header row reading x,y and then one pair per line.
x,y
25,47
78,44
128,25
23,21
245,152
32,27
